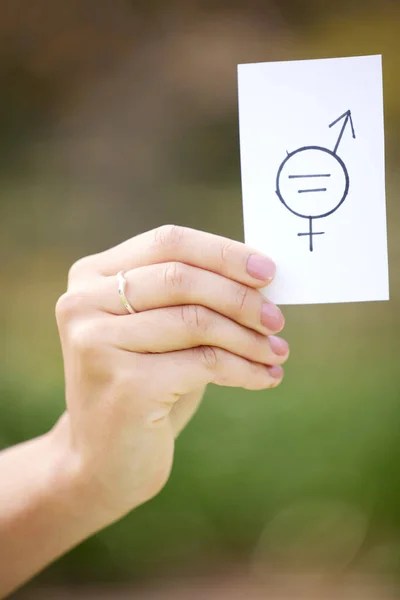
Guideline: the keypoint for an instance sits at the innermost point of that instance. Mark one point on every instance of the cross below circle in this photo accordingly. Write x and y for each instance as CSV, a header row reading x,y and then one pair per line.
x,y
311,233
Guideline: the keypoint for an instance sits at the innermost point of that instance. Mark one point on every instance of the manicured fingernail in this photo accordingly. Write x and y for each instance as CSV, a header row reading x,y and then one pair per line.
x,y
276,372
271,317
278,345
261,267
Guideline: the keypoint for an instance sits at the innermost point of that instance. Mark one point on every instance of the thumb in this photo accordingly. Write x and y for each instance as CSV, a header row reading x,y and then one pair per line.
x,y
184,409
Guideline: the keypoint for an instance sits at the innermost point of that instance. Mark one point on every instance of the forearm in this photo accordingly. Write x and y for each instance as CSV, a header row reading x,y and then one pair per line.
x,y
44,509
46,506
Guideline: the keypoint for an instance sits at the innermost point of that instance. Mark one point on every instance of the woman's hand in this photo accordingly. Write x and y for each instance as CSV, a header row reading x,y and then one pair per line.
x,y
132,383
134,380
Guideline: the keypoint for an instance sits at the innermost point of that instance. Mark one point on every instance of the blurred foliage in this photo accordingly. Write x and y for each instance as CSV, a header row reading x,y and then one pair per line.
x,y
116,117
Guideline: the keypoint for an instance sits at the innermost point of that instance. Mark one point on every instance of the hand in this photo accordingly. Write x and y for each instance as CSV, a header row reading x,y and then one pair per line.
x,y
134,380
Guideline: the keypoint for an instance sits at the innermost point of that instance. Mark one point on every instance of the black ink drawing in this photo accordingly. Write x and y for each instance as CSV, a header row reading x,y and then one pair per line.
x,y
326,183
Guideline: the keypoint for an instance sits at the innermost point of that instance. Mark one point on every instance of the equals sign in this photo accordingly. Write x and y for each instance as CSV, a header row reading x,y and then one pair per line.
x,y
309,176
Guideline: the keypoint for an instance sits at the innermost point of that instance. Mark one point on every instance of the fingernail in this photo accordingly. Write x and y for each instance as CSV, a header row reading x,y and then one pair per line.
x,y
271,317
278,345
276,372
260,267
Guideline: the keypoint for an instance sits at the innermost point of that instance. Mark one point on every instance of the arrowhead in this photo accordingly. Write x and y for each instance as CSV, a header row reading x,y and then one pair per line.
x,y
345,115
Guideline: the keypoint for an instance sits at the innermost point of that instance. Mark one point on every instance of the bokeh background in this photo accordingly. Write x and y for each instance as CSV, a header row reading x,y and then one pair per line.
x,y
118,116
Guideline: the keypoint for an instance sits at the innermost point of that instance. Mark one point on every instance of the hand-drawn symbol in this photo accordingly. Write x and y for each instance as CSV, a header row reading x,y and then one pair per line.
x,y
326,181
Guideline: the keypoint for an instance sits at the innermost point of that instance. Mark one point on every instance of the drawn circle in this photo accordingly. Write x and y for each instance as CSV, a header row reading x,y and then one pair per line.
x,y
312,182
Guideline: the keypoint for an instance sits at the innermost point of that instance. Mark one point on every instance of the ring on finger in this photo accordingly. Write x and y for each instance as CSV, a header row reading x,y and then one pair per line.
x,y
121,292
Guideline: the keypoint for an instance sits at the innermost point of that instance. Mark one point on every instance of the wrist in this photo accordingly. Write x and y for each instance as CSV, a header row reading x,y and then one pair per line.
x,y
46,508
73,488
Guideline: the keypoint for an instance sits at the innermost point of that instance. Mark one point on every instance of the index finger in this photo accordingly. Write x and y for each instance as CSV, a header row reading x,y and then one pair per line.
x,y
170,243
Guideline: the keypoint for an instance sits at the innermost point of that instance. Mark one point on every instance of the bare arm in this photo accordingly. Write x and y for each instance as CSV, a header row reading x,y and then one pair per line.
x,y
44,509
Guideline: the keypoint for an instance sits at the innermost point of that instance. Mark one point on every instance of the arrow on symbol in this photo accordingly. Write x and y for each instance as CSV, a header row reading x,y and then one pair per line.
x,y
347,118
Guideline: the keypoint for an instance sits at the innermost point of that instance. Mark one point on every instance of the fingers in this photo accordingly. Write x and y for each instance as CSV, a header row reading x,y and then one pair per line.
x,y
174,284
171,243
170,329
180,373
185,370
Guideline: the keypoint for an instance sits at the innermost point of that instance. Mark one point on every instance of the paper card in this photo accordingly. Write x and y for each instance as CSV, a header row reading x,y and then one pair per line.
x,y
313,176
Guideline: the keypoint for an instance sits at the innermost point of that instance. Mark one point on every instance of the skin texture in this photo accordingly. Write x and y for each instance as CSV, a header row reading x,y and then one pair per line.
x,y
133,381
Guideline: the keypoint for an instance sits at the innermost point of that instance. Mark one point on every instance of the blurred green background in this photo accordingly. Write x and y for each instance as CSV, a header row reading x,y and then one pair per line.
x,y
116,117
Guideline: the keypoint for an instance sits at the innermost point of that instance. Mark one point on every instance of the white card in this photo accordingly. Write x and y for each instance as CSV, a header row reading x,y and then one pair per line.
x,y
313,176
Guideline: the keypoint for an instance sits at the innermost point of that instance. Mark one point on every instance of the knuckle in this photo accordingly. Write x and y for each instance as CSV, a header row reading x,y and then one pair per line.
x,y
209,357
124,385
195,318
174,275
120,381
168,235
241,297
68,306
77,269
84,339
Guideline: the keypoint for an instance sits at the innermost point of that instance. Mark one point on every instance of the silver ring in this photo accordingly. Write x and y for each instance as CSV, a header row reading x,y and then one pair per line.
x,y
121,291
